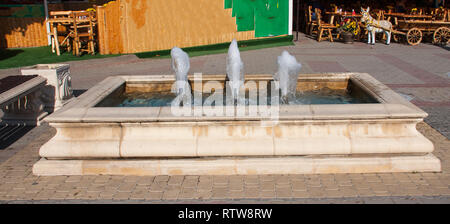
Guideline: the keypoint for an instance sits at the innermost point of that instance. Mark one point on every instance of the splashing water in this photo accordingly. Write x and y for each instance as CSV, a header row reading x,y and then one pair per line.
x,y
235,68
287,75
180,64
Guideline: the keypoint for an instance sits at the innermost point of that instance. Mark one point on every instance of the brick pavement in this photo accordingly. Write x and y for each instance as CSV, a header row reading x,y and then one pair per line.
x,y
18,184
419,72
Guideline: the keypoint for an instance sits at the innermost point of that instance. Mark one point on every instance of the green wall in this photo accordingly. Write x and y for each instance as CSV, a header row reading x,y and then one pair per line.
x,y
22,11
265,17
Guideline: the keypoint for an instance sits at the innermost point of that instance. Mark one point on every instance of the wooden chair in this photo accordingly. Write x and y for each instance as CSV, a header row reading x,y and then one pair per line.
x,y
57,21
311,26
83,32
448,15
440,14
324,27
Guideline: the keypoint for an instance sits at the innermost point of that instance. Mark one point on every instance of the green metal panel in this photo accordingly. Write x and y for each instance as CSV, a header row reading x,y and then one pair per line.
x,y
272,18
245,14
266,17
22,11
228,4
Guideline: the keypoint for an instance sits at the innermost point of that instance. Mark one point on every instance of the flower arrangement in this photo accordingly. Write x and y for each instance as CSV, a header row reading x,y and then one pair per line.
x,y
349,25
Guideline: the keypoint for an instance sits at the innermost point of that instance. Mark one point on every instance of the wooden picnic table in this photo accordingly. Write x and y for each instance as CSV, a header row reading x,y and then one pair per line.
x,y
342,14
72,20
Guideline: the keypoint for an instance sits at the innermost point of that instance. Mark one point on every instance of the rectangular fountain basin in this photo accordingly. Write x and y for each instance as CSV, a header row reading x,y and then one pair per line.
x,y
374,130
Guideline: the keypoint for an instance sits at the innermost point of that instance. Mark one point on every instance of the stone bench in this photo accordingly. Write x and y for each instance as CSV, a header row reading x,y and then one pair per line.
x,y
20,99
40,90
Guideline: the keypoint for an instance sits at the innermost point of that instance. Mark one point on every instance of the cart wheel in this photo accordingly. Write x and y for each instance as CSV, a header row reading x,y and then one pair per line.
x,y
441,36
414,36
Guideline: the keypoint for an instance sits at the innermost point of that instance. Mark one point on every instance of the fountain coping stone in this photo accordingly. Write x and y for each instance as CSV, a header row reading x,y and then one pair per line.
x,y
391,105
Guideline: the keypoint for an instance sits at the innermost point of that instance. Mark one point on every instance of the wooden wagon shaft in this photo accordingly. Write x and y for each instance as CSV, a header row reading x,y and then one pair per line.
x,y
391,30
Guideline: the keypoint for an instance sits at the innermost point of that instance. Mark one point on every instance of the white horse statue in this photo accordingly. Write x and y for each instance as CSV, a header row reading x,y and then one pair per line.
x,y
375,26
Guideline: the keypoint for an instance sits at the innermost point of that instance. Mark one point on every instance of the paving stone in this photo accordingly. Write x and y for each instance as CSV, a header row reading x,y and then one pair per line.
x,y
101,179
161,178
122,196
204,195
145,180
300,194
187,193
72,179
205,178
298,186
269,177
192,183
236,186
332,193
192,177
251,192
267,186
106,195
153,195
378,201
251,180
236,194
204,186
127,187
220,193
175,180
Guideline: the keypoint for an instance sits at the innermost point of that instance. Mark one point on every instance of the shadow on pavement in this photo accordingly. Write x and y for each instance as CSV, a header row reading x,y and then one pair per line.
x,y
78,92
11,133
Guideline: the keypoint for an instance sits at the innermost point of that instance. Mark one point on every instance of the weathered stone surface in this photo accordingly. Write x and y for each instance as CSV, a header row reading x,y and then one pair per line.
x,y
387,127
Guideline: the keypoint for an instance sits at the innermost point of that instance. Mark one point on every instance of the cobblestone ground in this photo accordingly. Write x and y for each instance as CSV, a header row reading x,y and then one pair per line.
x,y
420,73
19,185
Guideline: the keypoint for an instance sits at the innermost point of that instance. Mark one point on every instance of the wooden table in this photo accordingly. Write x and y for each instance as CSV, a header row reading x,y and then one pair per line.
x,y
342,14
72,20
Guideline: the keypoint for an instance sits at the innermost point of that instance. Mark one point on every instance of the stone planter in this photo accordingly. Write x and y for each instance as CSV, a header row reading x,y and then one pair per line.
x,y
347,37
58,90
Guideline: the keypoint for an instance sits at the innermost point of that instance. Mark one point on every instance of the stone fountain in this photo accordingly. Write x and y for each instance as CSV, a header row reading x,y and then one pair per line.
x,y
116,128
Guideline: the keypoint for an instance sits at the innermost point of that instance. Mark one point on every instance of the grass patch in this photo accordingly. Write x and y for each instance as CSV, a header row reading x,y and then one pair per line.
x,y
18,57
245,45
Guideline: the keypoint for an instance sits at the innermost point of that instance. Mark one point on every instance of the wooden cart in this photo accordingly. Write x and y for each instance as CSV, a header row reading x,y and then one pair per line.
x,y
414,31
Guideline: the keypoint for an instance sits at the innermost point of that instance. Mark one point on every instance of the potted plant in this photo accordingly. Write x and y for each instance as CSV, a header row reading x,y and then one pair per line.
x,y
348,28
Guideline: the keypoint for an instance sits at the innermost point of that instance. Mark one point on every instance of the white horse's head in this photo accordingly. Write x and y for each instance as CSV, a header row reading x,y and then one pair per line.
x,y
365,14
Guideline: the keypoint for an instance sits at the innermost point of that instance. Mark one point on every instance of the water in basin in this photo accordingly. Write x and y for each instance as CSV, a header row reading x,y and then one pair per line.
x,y
162,99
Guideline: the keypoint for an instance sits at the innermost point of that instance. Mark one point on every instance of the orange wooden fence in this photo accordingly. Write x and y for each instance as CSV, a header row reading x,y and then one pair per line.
x,y
22,32
32,32
130,26
109,32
